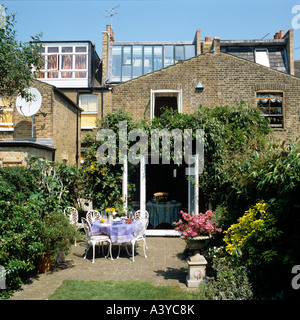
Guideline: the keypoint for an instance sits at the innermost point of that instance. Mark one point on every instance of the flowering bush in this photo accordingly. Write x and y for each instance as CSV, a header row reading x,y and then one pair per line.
x,y
201,224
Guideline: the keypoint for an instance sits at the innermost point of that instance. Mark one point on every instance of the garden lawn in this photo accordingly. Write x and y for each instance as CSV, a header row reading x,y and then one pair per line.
x,y
120,290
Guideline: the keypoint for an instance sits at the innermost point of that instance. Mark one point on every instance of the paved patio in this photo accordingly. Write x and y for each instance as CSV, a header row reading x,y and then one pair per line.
x,y
166,265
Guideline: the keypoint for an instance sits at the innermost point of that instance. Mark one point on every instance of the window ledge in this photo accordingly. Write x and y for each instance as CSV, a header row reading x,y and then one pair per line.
x,y
7,129
279,129
88,128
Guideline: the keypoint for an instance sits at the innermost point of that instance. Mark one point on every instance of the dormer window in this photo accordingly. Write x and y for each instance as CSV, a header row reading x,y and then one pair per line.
x,y
65,64
262,57
133,60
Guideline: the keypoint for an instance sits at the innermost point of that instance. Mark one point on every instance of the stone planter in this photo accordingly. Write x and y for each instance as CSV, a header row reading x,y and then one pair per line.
x,y
197,243
197,263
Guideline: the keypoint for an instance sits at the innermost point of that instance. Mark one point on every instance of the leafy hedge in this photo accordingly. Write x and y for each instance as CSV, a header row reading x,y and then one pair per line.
x,y
32,222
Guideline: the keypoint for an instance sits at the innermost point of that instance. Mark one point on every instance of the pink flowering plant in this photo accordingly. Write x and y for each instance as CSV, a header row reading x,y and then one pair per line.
x,y
201,224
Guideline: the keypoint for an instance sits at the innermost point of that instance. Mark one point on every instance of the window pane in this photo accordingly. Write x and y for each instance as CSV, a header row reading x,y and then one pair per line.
x,y
137,61
148,60
189,51
88,120
52,62
80,74
6,115
84,102
93,103
80,61
66,74
169,56
80,49
67,49
158,58
66,61
126,73
116,63
127,55
276,122
179,54
89,103
52,75
52,49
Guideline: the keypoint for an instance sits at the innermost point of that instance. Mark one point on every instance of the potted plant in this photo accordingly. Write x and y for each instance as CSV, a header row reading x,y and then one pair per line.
x,y
196,229
57,237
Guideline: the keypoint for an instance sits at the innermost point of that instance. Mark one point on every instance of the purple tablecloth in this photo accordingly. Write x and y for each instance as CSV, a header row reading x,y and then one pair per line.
x,y
118,232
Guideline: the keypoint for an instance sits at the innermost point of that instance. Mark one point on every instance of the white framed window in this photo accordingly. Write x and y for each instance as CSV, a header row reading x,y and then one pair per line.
x,y
89,104
164,99
262,57
64,61
6,115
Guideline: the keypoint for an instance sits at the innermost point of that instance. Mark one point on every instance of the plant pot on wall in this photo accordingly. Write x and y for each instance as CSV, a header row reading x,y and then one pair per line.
x,y
44,264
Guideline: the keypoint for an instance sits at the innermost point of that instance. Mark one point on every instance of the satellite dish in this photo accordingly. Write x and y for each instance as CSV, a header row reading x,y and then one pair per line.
x,y
29,108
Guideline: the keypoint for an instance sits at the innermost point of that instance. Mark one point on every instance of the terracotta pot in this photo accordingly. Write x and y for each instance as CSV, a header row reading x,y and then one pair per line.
x,y
44,263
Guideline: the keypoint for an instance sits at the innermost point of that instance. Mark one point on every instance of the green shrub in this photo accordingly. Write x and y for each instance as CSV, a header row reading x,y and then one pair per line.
x,y
229,283
254,237
32,222
20,243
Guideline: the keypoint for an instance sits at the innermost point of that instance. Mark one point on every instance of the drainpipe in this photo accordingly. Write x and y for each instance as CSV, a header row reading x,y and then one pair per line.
x,y
102,104
77,138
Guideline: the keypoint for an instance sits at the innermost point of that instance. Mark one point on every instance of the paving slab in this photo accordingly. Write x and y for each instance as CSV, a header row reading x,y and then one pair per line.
x,y
166,265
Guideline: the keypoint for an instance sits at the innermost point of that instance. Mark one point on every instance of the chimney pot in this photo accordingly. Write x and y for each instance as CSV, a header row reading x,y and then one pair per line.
x,y
281,33
207,39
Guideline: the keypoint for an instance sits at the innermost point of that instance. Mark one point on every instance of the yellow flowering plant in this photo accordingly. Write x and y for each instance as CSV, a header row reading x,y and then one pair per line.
x,y
253,237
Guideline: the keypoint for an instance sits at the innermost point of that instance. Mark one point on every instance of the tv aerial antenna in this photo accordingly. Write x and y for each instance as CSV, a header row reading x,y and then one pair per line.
x,y
112,13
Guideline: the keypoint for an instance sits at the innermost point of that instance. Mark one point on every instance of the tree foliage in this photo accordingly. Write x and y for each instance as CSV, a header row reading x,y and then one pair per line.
x,y
19,61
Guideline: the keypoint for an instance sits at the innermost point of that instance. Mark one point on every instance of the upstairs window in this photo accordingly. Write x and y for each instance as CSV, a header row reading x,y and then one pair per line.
x,y
131,61
6,115
64,62
262,57
271,104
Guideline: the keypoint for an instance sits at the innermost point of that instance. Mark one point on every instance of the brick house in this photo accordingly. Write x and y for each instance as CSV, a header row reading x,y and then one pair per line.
x,y
144,76
46,134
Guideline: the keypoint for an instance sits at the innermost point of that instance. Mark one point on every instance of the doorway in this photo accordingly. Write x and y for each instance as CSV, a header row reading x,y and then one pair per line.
x,y
164,103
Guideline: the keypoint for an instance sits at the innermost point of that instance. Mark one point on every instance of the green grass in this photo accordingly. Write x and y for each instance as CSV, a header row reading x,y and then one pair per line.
x,y
120,290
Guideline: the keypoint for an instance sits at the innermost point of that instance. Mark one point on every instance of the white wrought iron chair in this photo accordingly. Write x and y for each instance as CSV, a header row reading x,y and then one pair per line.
x,y
93,240
139,234
144,220
141,214
72,213
93,215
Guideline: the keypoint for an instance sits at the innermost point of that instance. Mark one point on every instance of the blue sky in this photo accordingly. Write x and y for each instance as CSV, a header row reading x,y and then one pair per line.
x,y
147,20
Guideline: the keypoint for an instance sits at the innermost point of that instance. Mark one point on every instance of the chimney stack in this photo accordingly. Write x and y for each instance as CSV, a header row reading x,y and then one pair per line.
x,y
110,33
206,45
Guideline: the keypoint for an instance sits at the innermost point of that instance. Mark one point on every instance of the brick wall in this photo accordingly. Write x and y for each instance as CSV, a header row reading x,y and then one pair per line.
x,y
66,130
226,79
59,126
20,155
